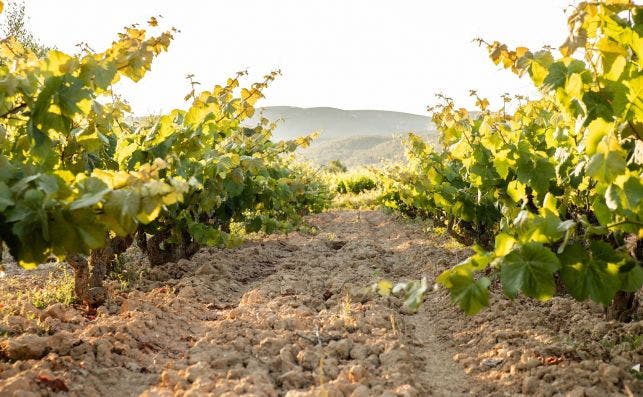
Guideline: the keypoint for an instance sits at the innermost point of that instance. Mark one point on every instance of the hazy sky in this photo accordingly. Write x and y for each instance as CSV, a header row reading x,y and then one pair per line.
x,y
352,54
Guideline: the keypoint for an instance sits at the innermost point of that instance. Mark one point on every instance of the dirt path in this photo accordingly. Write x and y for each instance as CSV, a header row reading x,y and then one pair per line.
x,y
290,316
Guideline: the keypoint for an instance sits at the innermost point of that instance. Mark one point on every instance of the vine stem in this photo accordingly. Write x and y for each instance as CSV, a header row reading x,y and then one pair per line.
x,y
624,223
14,110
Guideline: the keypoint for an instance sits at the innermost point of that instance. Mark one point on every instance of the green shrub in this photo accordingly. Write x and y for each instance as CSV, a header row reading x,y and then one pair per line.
x,y
356,184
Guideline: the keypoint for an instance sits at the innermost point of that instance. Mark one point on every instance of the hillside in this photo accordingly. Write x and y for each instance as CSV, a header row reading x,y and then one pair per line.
x,y
355,137
355,151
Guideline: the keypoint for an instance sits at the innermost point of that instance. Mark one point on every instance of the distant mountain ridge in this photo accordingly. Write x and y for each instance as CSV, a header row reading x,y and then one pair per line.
x,y
333,123
355,137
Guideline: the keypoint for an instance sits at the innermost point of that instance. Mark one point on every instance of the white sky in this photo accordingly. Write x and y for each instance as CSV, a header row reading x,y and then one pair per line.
x,y
351,54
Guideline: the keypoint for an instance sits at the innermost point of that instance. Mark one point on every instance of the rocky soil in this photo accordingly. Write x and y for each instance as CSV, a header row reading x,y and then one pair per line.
x,y
293,316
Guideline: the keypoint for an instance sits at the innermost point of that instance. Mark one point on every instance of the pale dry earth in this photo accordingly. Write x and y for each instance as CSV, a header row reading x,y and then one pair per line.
x,y
293,316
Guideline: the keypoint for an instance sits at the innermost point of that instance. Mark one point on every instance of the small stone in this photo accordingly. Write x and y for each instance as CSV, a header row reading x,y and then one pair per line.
x,y
576,392
392,357
82,352
295,379
15,385
530,385
361,391
271,346
286,355
103,351
529,364
342,348
25,347
132,366
102,311
130,305
205,269
609,373
57,310
197,371
590,365
18,324
187,292
593,392
308,359
51,324
344,387
62,342
169,378
407,391
459,356
491,362
356,373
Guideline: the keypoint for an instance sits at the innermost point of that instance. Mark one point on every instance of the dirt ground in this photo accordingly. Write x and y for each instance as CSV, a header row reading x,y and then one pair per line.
x,y
293,316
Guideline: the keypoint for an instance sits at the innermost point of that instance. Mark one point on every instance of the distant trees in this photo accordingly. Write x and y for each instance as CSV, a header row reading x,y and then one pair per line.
x,y
335,167
15,26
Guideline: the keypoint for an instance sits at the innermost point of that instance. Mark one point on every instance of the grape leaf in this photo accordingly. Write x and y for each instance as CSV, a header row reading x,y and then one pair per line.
x,y
529,269
586,277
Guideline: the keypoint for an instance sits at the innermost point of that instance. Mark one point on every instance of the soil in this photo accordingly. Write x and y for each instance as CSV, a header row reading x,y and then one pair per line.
x,y
294,316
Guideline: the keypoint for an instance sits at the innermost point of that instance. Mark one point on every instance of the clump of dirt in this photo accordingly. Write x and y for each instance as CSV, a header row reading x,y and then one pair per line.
x,y
293,316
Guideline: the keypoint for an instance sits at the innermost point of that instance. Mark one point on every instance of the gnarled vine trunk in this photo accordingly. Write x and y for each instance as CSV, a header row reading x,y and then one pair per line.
x,y
89,273
163,246
141,239
623,307
458,237
625,304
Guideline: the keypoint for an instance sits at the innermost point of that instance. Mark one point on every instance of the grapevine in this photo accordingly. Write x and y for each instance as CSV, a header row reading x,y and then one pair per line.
x,y
77,179
556,183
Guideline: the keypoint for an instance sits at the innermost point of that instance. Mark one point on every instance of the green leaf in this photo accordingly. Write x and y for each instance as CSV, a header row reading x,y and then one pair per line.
x,y
631,275
538,67
529,269
612,197
606,168
501,164
504,244
5,197
121,209
587,277
93,190
598,105
542,174
602,212
556,76
632,192
574,85
471,295
414,294
65,237
601,250
634,96
539,228
595,132
516,191
149,209
207,235
92,233
99,74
